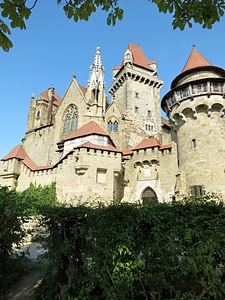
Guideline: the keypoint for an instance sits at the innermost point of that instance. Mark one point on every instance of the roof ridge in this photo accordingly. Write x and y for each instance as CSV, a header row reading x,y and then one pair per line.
x,y
89,128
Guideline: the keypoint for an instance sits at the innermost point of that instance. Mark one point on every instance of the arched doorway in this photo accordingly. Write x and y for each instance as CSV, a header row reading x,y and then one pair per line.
x,y
148,196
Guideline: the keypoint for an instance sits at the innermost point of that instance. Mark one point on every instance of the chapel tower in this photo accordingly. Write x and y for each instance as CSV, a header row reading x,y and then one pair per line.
x,y
195,106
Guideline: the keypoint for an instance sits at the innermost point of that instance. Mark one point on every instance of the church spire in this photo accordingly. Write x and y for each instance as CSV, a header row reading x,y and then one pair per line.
x,y
95,95
96,77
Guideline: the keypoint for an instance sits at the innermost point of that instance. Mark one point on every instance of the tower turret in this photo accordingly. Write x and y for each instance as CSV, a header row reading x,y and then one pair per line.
x,y
195,106
136,93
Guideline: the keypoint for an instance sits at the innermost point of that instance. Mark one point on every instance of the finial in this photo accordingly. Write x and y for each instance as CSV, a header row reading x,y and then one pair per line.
x,y
193,46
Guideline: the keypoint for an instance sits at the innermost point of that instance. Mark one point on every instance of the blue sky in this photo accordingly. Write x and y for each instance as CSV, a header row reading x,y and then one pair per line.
x,y
53,48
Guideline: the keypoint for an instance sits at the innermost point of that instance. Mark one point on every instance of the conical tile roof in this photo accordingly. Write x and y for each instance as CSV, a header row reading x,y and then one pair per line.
x,y
195,60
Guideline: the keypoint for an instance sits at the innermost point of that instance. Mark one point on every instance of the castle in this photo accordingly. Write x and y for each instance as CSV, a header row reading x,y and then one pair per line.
x,y
122,149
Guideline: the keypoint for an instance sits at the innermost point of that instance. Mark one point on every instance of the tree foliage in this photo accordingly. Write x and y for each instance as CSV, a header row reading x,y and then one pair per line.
x,y
16,208
127,251
15,13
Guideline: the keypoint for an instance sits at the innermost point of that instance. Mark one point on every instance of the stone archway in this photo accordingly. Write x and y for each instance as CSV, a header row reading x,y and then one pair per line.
x,y
148,196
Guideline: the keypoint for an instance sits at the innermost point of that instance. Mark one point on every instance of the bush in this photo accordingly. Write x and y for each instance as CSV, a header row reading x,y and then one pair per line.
x,y
11,232
16,209
128,251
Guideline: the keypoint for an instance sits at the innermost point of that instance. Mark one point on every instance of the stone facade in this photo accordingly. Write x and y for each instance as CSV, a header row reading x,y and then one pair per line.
x,y
101,150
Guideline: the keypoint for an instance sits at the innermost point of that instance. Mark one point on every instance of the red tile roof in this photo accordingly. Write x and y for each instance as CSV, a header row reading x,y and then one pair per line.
x,y
163,147
30,164
127,152
17,152
139,58
87,129
150,143
165,122
98,147
55,98
83,89
195,60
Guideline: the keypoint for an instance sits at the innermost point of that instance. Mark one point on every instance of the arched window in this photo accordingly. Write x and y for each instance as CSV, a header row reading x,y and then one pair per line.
x,y
115,126
70,119
148,196
112,126
95,94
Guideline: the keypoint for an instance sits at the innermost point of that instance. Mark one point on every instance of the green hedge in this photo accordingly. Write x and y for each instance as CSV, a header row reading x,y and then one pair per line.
x,y
127,251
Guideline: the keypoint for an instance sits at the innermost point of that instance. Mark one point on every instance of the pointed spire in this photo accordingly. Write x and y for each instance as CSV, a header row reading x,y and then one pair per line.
x,y
195,60
96,78
97,60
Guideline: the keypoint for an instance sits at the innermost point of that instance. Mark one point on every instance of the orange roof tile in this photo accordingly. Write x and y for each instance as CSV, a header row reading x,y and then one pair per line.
x,y
139,57
98,147
150,143
195,60
165,122
87,129
83,89
55,98
163,147
127,152
17,152
29,163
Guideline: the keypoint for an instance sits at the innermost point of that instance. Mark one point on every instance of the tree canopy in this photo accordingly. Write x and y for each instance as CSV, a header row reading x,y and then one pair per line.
x,y
15,13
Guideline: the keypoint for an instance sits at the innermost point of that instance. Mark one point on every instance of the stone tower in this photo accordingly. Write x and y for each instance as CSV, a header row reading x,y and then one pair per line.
x,y
42,110
195,106
136,93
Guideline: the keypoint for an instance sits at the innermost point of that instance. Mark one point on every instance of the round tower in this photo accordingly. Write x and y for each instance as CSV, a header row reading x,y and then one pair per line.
x,y
195,106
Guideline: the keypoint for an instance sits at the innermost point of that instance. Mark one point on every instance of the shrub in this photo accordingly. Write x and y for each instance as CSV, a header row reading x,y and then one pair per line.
x,y
128,251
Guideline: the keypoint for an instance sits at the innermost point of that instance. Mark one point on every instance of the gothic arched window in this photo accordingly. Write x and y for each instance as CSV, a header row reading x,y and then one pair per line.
x,y
115,126
70,120
112,126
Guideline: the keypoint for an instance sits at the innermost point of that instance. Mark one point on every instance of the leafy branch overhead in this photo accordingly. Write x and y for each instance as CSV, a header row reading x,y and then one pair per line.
x,y
15,13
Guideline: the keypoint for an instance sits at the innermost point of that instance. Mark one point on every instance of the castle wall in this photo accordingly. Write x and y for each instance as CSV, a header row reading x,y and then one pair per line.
x,y
152,168
40,146
85,175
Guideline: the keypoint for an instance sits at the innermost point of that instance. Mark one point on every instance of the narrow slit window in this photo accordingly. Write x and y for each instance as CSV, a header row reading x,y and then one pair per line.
x,y
194,143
